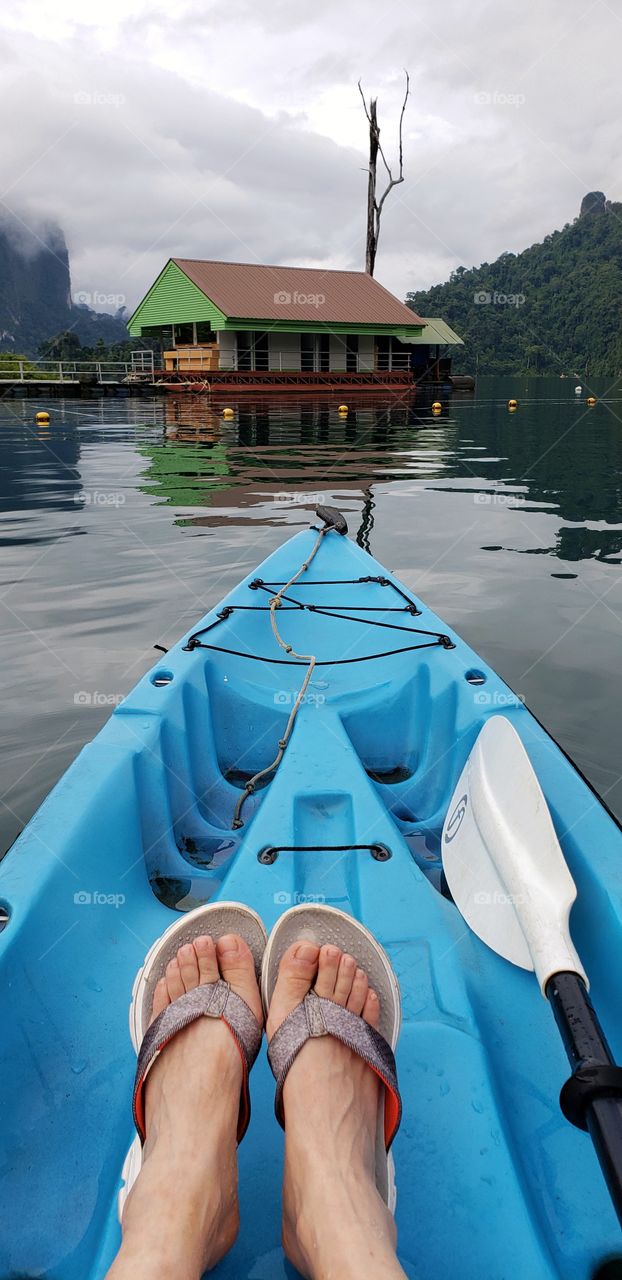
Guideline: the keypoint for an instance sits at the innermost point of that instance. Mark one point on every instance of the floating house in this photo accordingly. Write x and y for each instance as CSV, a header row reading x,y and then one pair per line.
x,y
233,325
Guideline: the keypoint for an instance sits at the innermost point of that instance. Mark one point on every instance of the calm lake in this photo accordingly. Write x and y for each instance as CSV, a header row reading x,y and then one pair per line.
x,y
125,520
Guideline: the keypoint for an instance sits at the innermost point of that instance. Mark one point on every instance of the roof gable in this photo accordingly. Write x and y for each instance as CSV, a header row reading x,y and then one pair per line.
x,y
174,299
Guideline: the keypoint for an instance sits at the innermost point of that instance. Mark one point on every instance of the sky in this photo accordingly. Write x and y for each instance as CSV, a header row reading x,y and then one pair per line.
x,y
234,130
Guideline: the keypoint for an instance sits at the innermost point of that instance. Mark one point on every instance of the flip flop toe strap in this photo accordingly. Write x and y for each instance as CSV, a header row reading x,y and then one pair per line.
x,y
317,1016
212,1000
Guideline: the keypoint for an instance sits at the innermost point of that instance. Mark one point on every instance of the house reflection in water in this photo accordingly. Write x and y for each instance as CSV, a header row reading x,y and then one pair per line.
x,y
271,458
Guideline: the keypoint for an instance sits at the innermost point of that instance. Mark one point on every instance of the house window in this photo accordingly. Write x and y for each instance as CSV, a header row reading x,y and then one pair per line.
x,y
205,333
314,352
260,351
245,349
307,352
159,336
400,355
183,335
352,353
253,350
383,352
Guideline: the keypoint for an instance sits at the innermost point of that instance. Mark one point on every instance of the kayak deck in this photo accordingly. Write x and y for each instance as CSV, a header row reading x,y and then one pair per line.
x,y
492,1180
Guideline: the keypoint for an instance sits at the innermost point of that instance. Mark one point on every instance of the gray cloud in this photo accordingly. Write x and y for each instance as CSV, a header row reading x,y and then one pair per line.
x,y
235,131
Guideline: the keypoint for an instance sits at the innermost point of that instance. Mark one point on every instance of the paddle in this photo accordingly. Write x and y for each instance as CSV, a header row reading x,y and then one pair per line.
x,y
508,877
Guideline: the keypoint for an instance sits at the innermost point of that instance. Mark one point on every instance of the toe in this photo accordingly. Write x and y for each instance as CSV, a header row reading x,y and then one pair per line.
x,y
358,994
237,967
297,970
207,959
160,998
174,982
188,966
345,977
371,1009
328,969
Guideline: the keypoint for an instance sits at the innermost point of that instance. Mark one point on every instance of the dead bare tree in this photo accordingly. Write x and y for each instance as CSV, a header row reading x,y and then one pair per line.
x,y
375,205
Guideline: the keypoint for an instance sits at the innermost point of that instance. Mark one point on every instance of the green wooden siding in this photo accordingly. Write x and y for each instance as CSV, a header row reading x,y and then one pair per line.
x,y
174,299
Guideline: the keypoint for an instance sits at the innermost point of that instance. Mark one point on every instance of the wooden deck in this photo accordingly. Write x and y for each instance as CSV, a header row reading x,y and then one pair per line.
x,y
273,380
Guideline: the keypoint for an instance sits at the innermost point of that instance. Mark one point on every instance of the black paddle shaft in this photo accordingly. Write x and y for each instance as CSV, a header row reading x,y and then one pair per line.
x,y
592,1097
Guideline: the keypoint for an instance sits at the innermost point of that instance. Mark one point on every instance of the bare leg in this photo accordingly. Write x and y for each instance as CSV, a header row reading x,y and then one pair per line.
x,y
335,1224
181,1216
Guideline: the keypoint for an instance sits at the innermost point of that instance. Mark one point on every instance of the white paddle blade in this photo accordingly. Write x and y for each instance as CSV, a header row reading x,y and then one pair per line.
x,y
502,860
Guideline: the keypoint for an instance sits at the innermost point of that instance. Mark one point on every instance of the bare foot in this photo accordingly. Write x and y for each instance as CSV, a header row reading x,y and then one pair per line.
x,y
335,1223
182,1216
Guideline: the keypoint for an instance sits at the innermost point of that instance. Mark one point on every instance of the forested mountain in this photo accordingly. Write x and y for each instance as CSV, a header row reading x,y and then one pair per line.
x,y
35,293
554,308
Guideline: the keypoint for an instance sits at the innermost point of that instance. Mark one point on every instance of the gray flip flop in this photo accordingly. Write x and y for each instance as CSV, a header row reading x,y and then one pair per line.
x,y
317,1016
212,1000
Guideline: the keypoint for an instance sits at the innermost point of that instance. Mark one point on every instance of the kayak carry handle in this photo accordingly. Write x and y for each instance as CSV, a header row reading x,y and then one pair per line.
x,y
332,518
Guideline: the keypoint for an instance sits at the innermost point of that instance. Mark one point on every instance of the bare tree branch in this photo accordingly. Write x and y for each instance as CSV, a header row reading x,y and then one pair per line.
x,y
375,206
364,102
401,148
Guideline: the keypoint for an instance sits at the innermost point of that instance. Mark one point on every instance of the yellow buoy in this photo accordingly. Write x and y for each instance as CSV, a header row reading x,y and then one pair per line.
x,y
591,400
512,404
228,413
437,406
343,408
42,417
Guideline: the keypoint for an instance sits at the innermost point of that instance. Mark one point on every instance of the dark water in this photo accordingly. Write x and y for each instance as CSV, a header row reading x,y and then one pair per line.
x,y
125,520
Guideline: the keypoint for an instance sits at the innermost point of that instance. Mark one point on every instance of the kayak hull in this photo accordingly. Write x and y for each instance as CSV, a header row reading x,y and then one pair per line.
x,y
492,1181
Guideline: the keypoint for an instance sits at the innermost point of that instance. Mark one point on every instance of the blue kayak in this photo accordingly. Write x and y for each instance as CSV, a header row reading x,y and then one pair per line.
x,y
165,810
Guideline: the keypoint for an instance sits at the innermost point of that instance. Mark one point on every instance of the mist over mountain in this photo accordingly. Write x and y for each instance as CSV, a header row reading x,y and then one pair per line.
x,y
554,308
36,302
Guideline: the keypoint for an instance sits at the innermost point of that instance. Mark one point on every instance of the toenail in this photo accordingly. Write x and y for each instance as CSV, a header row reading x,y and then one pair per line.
x,y
348,960
187,951
331,953
360,973
229,945
306,951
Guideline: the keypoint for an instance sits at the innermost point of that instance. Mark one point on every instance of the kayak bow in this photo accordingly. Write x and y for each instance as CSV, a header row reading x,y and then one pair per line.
x,y
291,752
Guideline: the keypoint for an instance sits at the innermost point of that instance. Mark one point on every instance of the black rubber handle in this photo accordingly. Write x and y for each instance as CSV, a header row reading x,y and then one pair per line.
x,y
333,518
592,1097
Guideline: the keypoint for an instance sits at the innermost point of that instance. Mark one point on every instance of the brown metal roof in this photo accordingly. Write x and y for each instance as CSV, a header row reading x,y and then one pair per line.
x,y
245,291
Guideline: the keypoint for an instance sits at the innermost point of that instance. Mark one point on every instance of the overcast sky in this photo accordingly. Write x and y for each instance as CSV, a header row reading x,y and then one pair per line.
x,y
230,129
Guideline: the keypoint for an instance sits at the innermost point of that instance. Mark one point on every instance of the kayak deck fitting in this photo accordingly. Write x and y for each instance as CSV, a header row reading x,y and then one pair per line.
x,y
492,1180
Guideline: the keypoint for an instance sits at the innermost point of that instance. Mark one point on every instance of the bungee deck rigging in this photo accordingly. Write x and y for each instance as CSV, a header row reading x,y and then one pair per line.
x,y
437,638
333,520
